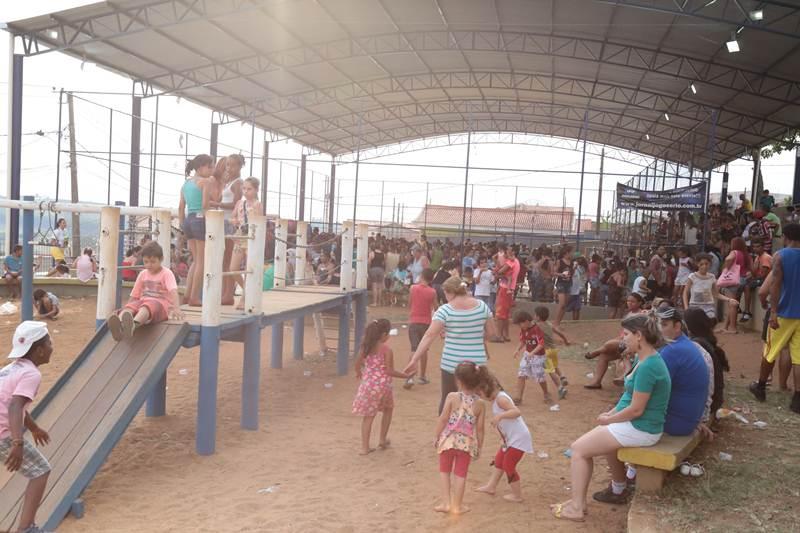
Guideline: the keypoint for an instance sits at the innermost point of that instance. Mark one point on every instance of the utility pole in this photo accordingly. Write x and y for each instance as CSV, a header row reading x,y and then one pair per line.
x,y
73,172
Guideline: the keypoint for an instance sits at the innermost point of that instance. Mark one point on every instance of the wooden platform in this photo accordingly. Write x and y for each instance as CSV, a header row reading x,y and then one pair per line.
x,y
86,413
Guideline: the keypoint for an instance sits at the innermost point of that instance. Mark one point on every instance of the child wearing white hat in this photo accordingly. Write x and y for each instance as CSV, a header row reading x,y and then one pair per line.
x,y
19,383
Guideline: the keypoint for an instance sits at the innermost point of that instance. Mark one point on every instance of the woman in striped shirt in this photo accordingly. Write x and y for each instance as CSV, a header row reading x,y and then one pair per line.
x,y
466,324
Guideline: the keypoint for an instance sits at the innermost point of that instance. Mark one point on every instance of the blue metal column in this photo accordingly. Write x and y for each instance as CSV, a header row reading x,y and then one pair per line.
x,y
27,263
360,321
343,349
15,154
120,257
207,391
251,369
298,327
277,346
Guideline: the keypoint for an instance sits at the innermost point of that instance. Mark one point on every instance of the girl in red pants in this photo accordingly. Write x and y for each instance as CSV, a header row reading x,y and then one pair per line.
x,y
459,434
516,441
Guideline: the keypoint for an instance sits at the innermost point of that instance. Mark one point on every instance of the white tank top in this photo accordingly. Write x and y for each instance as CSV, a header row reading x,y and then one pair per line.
x,y
227,197
514,431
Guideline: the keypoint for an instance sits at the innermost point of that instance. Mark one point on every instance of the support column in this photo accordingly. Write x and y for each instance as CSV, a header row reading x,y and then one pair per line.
x,y
108,272
360,320
265,176
343,348
346,261
281,237
298,325
600,191
157,400
580,193
136,142
277,346
255,264
332,197
26,290
756,184
120,257
299,278
301,192
796,188
210,334
251,369
15,144
362,255
214,135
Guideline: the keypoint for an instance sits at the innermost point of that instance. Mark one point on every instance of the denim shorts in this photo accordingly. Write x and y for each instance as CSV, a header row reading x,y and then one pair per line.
x,y
194,227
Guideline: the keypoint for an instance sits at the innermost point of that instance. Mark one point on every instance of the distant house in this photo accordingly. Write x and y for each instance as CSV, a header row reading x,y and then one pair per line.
x,y
523,222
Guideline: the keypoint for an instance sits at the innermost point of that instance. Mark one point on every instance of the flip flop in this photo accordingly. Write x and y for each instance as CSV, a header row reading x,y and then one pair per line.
x,y
558,512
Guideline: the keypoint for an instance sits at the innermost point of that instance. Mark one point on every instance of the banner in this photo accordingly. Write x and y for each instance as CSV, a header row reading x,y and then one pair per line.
x,y
691,198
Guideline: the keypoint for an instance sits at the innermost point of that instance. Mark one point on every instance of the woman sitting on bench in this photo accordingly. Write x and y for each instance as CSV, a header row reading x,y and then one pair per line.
x,y
636,421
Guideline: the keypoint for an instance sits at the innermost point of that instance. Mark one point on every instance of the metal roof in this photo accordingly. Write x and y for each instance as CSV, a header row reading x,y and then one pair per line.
x,y
343,75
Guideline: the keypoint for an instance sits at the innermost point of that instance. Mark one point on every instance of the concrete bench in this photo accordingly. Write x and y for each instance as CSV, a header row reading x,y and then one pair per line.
x,y
654,462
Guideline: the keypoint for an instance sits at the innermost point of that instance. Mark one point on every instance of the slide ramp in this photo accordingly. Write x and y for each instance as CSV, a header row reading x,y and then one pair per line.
x,y
86,412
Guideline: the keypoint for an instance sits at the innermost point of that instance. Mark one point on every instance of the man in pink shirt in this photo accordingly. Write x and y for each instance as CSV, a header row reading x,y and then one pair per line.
x,y
422,305
19,383
154,297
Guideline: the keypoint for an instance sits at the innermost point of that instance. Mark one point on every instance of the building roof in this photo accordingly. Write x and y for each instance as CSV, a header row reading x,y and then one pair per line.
x,y
540,218
650,76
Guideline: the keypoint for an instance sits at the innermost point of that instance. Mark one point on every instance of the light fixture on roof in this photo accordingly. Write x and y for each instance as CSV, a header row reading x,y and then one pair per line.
x,y
53,34
666,116
757,14
693,88
733,44
647,136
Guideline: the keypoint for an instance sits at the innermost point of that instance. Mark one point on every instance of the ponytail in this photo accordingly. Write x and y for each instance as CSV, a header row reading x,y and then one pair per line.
x,y
372,335
455,286
474,377
647,324
199,161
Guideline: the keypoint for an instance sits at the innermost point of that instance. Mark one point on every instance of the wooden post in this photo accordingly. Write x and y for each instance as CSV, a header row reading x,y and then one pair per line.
x,y
251,368
281,236
343,349
157,400
210,334
346,270
255,264
73,172
107,278
362,255
301,252
277,346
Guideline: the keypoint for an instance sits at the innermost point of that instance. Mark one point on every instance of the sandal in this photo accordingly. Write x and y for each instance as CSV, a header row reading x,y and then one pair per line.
x,y
558,512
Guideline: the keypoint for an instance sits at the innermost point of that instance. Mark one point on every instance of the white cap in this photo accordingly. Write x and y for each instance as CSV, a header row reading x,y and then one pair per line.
x,y
25,335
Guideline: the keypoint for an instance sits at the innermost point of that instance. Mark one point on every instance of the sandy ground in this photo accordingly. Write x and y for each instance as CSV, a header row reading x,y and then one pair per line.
x,y
306,448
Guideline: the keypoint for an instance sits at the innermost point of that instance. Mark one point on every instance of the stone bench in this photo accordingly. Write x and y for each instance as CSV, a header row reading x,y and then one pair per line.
x,y
654,462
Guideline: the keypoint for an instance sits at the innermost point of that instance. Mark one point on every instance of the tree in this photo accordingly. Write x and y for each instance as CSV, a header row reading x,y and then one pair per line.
x,y
789,141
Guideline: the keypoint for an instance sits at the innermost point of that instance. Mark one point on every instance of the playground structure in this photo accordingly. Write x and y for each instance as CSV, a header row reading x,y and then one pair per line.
x,y
88,409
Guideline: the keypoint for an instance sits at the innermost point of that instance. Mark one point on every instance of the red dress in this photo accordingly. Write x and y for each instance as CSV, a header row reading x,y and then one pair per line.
x,y
375,391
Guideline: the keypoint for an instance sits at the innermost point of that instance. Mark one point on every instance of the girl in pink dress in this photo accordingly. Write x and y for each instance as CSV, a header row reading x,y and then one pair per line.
x,y
375,369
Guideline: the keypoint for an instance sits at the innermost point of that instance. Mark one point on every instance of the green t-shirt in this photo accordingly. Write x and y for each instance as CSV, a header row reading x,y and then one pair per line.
x,y
650,376
436,259
268,282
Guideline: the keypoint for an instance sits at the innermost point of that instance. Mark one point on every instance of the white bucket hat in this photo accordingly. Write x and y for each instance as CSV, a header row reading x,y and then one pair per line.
x,y
25,335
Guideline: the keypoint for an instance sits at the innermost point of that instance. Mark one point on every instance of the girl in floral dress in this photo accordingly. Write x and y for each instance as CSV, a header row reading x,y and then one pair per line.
x,y
459,434
375,369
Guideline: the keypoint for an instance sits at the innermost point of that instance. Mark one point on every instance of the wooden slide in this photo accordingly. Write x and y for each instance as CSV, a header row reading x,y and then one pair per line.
x,y
86,413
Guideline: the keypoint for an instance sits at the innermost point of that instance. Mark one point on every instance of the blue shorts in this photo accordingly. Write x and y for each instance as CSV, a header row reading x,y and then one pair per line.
x,y
194,227
573,303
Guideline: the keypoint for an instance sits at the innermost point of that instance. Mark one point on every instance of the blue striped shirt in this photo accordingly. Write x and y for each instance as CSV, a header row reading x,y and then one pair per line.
x,y
464,335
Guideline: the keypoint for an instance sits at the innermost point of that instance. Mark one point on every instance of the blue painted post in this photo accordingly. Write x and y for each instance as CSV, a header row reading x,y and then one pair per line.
x,y
157,399
277,346
27,262
343,349
120,257
360,321
207,393
210,334
251,369
297,337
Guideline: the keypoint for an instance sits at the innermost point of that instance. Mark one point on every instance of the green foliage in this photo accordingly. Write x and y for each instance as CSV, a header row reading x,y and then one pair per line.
x,y
789,140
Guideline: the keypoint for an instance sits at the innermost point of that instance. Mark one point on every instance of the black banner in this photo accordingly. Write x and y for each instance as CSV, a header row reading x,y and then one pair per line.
x,y
691,198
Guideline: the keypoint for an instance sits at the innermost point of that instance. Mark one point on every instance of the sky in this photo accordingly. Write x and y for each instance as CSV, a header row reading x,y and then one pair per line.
x,y
535,175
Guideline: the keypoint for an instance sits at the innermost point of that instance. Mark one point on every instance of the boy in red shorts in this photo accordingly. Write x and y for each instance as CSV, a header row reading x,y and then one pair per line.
x,y
154,297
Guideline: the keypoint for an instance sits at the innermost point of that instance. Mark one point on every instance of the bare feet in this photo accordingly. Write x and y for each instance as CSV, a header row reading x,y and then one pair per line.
x,y
512,498
486,490
461,510
367,451
384,445
442,508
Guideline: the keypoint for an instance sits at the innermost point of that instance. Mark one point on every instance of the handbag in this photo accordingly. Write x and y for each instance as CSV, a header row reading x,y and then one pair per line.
x,y
730,277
